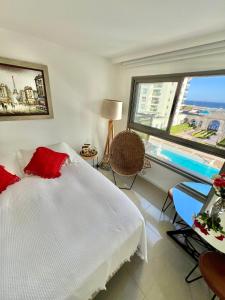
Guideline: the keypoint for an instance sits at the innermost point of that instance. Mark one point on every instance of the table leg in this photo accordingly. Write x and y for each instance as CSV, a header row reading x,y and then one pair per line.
x,y
190,237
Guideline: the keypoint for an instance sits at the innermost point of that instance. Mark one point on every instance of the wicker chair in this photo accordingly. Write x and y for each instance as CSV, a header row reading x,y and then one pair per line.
x,y
127,154
212,267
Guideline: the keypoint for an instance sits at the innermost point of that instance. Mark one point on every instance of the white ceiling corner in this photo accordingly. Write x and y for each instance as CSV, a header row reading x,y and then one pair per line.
x,y
119,30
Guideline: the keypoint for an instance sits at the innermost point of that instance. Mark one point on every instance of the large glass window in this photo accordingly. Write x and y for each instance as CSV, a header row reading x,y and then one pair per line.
x,y
183,118
189,160
154,103
200,111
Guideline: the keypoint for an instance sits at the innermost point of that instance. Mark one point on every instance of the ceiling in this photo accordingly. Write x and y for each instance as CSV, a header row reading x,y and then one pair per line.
x,y
117,29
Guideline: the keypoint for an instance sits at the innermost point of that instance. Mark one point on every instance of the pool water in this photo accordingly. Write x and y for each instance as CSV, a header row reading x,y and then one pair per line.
x,y
204,112
185,162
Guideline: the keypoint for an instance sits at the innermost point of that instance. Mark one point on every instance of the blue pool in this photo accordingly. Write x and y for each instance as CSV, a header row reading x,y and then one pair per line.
x,y
185,162
204,112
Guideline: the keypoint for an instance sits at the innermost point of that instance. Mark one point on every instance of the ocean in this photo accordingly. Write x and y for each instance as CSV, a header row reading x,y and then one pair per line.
x,y
205,104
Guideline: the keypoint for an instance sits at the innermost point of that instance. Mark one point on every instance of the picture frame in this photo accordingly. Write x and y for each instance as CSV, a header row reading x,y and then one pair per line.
x,y
24,91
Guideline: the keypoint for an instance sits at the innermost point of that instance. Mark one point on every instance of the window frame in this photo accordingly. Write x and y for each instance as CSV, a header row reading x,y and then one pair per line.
x,y
165,134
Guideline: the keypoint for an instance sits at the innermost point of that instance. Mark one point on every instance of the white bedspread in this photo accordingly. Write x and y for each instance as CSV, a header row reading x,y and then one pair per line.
x,y
63,238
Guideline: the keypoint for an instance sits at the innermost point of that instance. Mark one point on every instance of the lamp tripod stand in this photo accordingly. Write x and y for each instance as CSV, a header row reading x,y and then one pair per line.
x,y
104,164
111,110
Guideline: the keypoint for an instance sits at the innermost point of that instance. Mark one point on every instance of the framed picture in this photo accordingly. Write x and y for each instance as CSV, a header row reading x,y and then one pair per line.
x,y
24,91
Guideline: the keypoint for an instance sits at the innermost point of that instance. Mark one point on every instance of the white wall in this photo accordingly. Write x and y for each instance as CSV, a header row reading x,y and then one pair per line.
x,y
159,175
78,81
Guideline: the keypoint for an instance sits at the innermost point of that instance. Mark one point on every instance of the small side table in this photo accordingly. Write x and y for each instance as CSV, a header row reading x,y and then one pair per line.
x,y
93,158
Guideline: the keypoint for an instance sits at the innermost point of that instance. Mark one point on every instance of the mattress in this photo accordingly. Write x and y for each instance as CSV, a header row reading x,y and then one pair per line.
x,y
64,238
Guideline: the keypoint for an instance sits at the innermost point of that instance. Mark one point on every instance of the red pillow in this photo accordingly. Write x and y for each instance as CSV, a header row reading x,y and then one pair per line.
x,y
6,179
46,163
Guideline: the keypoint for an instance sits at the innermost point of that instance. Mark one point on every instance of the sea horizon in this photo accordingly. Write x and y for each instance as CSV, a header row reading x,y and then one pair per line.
x,y
205,104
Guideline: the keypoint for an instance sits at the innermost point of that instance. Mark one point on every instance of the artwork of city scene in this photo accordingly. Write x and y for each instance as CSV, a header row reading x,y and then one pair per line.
x,y
22,92
200,111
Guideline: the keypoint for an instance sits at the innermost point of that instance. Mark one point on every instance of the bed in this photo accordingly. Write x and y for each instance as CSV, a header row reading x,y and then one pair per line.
x,y
64,238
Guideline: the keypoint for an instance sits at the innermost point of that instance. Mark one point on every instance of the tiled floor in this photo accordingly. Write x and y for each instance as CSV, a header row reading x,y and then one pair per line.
x,y
163,277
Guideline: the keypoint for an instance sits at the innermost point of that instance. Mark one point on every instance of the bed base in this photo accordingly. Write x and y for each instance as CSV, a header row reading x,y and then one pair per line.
x,y
111,276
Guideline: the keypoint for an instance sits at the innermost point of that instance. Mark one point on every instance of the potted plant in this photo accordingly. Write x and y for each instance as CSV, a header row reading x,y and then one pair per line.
x,y
219,187
209,222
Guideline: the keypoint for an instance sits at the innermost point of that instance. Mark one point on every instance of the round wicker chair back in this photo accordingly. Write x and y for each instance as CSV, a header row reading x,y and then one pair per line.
x,y
127,153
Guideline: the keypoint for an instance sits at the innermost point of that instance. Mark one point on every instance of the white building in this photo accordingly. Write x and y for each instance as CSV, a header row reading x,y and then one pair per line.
x,y
178,117
155,101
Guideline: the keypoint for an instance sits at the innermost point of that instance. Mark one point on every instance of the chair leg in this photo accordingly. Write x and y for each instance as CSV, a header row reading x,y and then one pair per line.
x,y
170,202
124,188
189,275
174,218
114,177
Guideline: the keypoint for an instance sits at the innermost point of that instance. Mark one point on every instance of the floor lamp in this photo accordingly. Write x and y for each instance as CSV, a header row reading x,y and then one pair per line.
x,y
111,110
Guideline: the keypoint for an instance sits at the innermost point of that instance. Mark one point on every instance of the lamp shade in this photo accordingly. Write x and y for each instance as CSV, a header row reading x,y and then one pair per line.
x,y
112,109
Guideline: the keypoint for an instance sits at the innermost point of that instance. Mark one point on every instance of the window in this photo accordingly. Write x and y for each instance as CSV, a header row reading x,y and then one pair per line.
x,y
197,163
200,111
183,119
144,91
153,111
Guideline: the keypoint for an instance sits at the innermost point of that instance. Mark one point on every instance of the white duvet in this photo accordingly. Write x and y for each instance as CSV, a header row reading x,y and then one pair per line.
x,y
64,238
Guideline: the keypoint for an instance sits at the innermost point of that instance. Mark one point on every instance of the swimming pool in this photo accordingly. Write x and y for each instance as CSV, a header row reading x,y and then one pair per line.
x,y
181,160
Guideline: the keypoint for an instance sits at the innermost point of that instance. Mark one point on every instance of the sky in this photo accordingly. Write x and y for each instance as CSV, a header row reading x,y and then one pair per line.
x,y
211,89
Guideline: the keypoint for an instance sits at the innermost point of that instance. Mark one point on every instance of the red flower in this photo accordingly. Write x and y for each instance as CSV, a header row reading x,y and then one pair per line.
x,y
221,237
222,175
219,182
201,227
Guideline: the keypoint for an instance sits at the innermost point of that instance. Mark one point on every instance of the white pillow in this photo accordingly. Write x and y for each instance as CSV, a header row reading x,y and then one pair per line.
x,y
10,162
24,156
